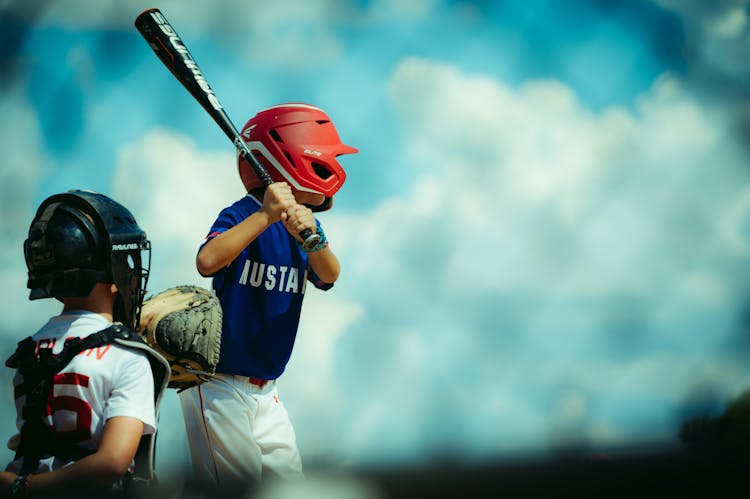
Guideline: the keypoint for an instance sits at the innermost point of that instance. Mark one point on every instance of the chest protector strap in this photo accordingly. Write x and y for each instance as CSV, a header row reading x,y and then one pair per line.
x,y
38,371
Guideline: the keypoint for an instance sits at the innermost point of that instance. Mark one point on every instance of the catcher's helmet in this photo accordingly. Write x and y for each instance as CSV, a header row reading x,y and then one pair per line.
x,y
79,238
298,144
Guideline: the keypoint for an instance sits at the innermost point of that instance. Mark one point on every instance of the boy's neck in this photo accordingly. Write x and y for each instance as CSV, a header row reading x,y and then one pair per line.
x,y
100,301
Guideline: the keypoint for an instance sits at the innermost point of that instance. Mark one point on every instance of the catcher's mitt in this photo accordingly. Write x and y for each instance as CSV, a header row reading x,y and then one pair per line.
x,y
184,325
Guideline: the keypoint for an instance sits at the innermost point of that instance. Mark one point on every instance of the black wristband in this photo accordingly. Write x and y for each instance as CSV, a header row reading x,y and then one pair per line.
x,y
18,487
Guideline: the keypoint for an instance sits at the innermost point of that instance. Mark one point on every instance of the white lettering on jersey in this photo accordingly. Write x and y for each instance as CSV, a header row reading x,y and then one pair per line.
x,y
282,271
292,284
273,277
270,277
256,273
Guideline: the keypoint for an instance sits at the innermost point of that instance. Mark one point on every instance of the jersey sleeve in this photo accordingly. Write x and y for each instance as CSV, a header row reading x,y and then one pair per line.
x,y
316,281
133,392
228,218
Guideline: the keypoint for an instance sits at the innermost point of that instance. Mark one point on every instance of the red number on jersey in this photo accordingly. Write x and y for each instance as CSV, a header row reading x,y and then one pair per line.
x,y
77,413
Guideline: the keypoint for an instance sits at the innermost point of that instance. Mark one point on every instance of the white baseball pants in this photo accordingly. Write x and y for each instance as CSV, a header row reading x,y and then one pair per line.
x,y
239,432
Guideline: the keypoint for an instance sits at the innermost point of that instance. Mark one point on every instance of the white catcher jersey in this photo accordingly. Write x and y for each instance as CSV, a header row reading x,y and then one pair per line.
x,y
97,384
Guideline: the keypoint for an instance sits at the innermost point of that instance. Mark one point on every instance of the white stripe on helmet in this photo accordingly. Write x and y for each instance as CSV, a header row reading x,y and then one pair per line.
x,y
258,146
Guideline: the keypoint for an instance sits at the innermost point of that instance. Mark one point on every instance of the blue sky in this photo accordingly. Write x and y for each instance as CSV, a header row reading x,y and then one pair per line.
x,y
544,237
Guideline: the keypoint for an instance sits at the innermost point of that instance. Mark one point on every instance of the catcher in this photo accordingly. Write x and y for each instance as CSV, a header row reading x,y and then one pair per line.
x,y
87,388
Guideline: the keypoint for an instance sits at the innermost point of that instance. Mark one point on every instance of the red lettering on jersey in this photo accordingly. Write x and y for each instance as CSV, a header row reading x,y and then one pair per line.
x,y
45,343
98,351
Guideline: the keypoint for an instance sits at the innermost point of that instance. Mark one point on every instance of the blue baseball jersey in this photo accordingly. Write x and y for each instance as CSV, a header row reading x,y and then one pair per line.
x,y
261,294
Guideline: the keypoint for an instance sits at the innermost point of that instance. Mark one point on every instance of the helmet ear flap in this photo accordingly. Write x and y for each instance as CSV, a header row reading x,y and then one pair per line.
x,y
35,248
64,253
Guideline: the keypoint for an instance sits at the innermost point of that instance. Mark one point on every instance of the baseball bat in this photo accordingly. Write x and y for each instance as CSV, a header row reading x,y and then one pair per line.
x,y
173,52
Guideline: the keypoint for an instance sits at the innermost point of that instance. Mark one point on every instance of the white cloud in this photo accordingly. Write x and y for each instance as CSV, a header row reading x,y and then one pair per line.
x,y
549,260
735,228
730,24
554,199
326,317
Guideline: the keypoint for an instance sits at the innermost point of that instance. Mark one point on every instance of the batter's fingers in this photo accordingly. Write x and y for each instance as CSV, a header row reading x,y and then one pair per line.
x,y
301,216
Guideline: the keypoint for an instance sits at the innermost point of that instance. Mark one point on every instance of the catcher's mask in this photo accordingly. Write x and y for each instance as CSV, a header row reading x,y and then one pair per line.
x,y
80,238
298,144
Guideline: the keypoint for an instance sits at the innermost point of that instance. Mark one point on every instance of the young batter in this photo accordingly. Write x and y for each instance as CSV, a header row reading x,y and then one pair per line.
x,y
238,429
85,250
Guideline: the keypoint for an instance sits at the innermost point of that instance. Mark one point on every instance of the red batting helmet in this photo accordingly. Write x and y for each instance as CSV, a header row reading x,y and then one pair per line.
x,y
298,144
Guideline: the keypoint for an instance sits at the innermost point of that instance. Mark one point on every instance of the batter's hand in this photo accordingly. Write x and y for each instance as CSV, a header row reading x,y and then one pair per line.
x,y
277,199
297,218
